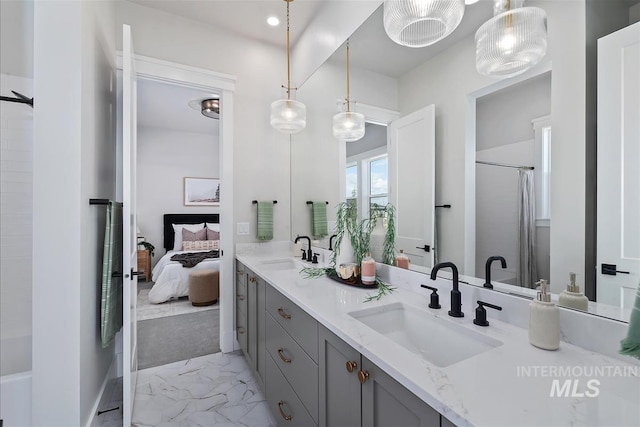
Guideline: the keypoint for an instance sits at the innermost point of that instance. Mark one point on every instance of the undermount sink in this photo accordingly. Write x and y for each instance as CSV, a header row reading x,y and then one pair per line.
x,y
280,264
436,340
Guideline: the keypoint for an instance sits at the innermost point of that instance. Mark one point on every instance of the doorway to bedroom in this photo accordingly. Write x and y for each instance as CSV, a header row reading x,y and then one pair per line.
x,y
177,145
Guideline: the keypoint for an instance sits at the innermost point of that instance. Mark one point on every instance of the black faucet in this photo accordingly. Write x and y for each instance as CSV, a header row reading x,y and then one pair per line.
x,y
309,251
456,296
487,269
331,241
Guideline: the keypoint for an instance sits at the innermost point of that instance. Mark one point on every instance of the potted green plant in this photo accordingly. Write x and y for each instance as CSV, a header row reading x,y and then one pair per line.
x,y
359,234
148,246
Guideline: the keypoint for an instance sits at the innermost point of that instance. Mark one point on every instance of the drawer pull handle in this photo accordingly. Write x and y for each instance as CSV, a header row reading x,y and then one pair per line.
x,y
240,329
283,314
252,279
240,297
284,358
284,415
351,365
363,376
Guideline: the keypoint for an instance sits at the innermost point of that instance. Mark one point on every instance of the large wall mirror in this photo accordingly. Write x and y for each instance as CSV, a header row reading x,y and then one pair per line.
x,y
489,134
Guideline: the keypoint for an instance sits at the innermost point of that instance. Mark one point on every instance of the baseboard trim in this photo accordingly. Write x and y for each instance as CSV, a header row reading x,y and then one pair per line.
x,y
111,373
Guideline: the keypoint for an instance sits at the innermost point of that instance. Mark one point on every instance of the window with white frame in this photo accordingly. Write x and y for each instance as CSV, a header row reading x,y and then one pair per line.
x,y
542,147
367,180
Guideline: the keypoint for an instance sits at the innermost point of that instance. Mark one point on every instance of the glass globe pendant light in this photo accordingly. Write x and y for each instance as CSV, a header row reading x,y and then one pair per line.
x,y
420,23
288,115
348,125
513,41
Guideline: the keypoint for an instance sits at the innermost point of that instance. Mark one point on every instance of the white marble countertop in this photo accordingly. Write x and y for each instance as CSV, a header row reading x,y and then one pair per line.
x,y
509,385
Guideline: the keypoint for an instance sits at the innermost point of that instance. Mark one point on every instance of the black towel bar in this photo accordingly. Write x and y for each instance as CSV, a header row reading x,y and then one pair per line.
x,y
310,202
98,201
443,206
255,202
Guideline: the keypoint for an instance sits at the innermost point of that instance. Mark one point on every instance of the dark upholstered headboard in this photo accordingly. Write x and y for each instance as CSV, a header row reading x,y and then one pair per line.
x,y
170,219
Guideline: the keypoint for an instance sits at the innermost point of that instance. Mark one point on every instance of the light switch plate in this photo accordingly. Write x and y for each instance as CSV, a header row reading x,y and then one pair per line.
x,y
243,229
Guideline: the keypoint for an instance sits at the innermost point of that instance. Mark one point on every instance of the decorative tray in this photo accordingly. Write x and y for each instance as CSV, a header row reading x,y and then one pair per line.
x,y
354,281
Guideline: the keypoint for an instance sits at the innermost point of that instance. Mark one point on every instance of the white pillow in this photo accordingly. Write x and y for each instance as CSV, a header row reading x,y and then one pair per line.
x,y
213,226
177,235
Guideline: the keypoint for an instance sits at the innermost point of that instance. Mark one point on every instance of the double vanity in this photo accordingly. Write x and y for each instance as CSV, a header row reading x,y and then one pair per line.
x,y
325,357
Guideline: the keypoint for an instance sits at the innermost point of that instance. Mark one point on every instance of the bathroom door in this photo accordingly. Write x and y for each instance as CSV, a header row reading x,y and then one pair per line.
x,y
619,166
130,244
411,187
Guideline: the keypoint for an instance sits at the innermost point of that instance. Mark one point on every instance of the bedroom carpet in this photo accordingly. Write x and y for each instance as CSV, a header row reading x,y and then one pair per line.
x,y
146,310
185,336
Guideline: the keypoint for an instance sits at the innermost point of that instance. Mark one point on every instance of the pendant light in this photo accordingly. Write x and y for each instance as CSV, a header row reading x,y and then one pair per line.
x,y
348,125
513,41
288,115
420,23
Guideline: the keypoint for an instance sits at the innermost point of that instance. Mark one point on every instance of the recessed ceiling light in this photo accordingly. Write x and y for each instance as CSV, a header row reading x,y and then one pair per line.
x,y
273,21
470,1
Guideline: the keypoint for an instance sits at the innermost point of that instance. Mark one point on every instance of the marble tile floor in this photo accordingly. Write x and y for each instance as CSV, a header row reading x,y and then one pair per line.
x,y
213,390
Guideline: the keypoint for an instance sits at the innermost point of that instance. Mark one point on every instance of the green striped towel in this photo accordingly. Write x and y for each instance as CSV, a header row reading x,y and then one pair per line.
x,y
319,219
630,346
265,220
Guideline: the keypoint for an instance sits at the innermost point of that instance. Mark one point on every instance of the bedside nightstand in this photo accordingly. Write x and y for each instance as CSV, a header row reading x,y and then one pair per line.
x,y
144,264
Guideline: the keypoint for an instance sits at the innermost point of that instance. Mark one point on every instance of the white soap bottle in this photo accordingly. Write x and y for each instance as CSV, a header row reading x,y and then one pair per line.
x,y
544,320
572,297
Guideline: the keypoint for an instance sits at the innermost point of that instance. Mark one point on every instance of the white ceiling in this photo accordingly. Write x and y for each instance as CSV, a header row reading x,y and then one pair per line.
x,y
372,49
244,17
165,106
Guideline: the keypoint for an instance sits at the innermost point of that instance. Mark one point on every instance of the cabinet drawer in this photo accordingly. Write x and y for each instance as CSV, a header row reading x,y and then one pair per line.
x,y
241,270
300,325
283,401
241,330
241,297
296,366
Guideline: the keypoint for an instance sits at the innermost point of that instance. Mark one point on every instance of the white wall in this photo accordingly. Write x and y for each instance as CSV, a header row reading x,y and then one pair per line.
x,y
261,154
16,38
317,158
450,77
165,157
16,211
74,160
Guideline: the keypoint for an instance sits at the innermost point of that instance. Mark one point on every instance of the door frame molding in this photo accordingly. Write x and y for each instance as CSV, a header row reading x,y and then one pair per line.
x,y
224,85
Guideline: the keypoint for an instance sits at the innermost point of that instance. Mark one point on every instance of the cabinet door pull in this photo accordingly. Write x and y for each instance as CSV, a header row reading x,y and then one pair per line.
x,y
284,415
284,358
240,329
351,365
283,314
363,376
240,297
252,279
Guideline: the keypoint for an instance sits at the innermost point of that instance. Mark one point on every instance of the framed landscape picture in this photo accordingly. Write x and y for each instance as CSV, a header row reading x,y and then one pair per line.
x,y
201,191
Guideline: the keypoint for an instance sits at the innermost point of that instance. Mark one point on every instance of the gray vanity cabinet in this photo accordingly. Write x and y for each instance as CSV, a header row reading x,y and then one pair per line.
x,y
355,392
250,306
241,306
339,388
385,402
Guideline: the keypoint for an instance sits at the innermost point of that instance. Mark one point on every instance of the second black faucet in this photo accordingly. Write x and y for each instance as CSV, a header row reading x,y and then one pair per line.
x,y
456,296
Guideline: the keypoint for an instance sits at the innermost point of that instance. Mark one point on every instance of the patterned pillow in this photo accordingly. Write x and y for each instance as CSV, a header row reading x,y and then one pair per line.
x,y
190,236
200,245
212,235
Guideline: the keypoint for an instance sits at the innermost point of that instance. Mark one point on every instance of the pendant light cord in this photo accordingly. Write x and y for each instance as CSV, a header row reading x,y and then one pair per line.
x,y
288,57
348,106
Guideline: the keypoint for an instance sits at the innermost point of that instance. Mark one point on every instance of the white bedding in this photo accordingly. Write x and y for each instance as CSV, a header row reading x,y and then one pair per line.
x,y
172,279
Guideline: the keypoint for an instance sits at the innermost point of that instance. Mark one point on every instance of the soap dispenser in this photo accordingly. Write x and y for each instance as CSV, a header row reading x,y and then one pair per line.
x,y
402,260
544,320
572,297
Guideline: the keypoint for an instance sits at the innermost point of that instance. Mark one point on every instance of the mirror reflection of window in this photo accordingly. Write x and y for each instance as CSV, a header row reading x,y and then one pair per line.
x,y
369,172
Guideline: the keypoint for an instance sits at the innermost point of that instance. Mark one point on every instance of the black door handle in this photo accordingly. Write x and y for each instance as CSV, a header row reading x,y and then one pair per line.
x,y
425,248
137,273
611,270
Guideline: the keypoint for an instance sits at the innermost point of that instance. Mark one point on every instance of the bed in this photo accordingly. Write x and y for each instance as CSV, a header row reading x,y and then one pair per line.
x,y
170,277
